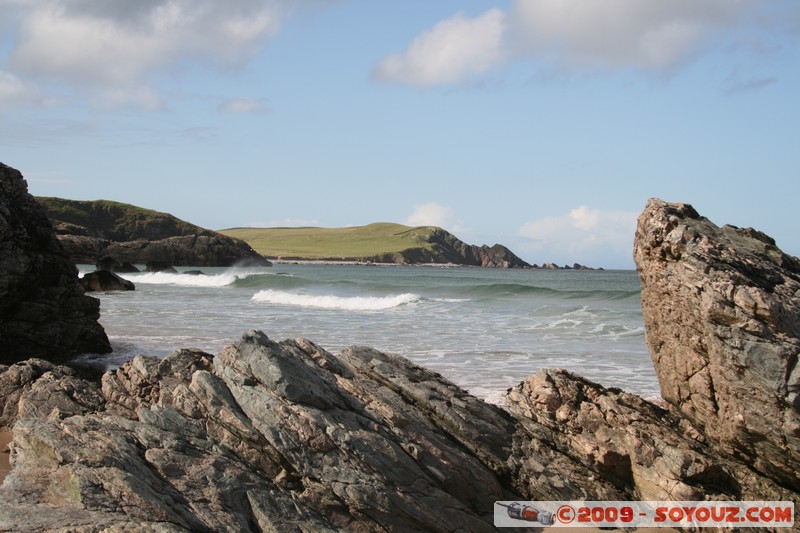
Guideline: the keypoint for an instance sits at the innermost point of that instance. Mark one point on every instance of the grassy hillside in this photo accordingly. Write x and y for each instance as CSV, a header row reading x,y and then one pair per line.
x,y
334,243
117,221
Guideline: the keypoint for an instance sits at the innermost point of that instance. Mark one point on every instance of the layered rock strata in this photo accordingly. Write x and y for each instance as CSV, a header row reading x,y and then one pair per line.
x,y
43,309
722,314
271,436
634,449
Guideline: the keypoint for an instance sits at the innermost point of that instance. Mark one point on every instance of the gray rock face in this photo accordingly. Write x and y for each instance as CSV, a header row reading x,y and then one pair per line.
x,y
281,437
43,310
722,313
634,450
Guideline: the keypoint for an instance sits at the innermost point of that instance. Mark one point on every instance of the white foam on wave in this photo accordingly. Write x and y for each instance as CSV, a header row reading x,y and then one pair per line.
x,y
349,303
186,280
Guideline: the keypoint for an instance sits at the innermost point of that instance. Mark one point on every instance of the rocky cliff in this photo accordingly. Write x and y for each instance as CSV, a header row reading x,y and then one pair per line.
x,y
43,309
722,313
285,436
90,230
456,251
447,248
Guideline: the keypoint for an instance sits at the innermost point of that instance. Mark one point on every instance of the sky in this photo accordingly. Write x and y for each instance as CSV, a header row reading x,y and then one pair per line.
x,y
543,125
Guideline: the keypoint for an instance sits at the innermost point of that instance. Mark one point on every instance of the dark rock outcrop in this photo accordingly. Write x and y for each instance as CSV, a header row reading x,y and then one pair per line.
x,y
43,310
456,251
447,248
89,230
103,280
722,314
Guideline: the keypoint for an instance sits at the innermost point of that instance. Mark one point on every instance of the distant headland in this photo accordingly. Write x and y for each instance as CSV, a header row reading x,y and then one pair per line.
x,y
97,229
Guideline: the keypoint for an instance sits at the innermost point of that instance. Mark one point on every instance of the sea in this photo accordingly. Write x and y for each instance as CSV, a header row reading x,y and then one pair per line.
x,y
484,329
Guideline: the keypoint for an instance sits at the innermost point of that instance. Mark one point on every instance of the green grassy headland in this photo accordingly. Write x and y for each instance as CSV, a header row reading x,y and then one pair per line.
x,y
354,243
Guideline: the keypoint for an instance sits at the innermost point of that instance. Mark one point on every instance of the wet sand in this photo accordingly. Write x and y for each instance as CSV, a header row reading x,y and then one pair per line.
x,y
5,466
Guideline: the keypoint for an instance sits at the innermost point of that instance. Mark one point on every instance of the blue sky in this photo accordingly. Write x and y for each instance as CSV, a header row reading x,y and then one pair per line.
x,y
544,125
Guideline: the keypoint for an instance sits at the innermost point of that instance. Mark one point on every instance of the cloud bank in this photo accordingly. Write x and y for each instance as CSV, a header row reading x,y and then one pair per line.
x,y
453,49
654,36
17,92
115,48
433,214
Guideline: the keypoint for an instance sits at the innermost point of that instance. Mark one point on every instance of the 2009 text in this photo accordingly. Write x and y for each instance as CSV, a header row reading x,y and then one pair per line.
x,y
646,514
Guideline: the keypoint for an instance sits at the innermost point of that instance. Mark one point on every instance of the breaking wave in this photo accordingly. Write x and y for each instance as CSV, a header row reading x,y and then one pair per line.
x,y
348,303
223,279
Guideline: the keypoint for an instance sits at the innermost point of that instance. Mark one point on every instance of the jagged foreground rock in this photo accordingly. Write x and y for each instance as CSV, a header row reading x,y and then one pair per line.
x,y
642,451
43,309
722,315
264,436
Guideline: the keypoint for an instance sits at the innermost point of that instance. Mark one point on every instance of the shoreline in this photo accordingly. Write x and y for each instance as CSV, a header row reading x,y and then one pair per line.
x,y
346,262
5,456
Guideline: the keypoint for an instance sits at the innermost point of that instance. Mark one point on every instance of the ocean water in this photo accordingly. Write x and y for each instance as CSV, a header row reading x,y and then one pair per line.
x,y
484,329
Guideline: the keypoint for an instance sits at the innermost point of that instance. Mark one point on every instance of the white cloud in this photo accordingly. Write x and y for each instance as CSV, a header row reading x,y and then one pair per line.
x,y
433,214
15,92
454,49
647,35
581,233
244,105
143,98
621,33
114,49
120,42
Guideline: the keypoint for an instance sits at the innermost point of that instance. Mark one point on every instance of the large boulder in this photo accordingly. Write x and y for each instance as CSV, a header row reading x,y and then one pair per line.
x,y
43,310
103,280
722,314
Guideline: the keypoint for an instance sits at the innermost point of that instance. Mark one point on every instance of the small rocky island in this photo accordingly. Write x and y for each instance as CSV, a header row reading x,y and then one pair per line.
x,y
285,436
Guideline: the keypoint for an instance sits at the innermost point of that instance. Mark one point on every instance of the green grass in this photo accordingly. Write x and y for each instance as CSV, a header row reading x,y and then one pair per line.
x,y
117,221
333,243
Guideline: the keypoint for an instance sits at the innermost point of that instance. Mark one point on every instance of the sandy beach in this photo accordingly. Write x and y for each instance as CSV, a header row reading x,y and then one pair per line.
x,y
5,466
